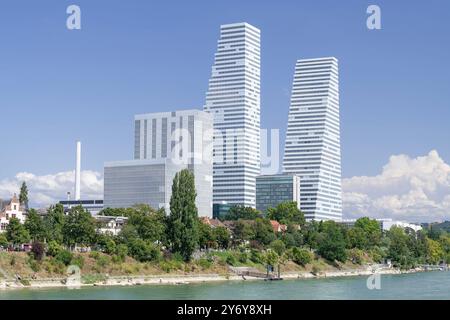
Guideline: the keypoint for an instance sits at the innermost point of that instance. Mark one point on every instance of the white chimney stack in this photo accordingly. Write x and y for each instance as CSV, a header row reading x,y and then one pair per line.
x,y
78,172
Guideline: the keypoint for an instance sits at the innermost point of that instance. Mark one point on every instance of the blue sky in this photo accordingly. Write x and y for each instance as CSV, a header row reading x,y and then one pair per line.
x,y
132,57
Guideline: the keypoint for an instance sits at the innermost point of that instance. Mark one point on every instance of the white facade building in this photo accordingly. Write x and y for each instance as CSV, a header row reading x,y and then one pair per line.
x,y
12,210
233,98
312,147
165,143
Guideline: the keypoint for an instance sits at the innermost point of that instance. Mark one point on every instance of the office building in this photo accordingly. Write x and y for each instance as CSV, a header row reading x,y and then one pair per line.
x,y
165,143
312,148
271,190
233,98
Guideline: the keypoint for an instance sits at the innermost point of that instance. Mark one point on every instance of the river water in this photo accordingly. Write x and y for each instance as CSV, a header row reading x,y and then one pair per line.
x,y
428,285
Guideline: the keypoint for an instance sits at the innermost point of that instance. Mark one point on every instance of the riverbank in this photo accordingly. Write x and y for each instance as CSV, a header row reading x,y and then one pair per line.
x,y
184,279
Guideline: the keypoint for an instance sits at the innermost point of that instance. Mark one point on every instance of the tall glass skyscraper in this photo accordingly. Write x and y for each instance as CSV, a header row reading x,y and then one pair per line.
x,y
312,148
233,98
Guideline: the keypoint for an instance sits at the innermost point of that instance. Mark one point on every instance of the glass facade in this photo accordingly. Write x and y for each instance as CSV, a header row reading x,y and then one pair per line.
x,y
272,190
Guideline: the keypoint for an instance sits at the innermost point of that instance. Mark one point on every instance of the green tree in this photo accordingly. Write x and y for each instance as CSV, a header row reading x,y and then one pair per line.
x,y
23,196
399,251
263,231
183,218
301,256
241,212
222,236
271,258
435,252
287,213
243,231
35,226
149,224
144,251
79,227
365,234
206,237
332,243
278,246
16,232
3,240
312,234
53,223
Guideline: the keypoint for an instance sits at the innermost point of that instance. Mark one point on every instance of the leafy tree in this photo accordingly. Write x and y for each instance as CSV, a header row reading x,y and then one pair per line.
x,y
53,223
116,212
38,250
399,251
149,224
54,248
332,242
312,234
278,246
35,226
263,231
144,251
183,218
16,232
241,212
79,227
3,241
222,237
243,231
271,258
286,213
206,237
301,256
64,256
435,252
365,234
23,196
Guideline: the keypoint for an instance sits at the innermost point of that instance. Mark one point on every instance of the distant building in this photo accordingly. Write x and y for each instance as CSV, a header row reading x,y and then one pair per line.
x,y
233,98
278,227
385,224
272,190
165,143
111,225
93,206
12,209
313,148
220,210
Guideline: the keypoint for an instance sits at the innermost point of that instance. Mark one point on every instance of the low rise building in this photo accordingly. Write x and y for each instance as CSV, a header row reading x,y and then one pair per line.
x,y
93,206
385,224
110,225
11,209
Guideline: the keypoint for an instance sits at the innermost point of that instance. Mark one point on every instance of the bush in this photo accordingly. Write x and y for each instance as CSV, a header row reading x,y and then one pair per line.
x,y
64,256
204,263
144,251
231,260
54,248
356,255
78,260
301,256
242,257
12,262
34,265
102,261
121,252
94,255
278,246
256,257
38,250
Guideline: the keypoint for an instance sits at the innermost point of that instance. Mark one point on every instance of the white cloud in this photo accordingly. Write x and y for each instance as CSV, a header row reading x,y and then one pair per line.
x,y
49,189
409,189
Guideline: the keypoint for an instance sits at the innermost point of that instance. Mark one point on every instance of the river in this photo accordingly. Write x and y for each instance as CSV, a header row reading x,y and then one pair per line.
x,y
427,285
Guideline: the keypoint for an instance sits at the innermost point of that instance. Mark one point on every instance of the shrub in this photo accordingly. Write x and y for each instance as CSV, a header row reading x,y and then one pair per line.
x,y
204,263
64,256
278,246
12,262
356,255
34,265
301,256
54,248
231,260
256,257
121,252
37,250
144,251
78,260
102,261
242,257
94,255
